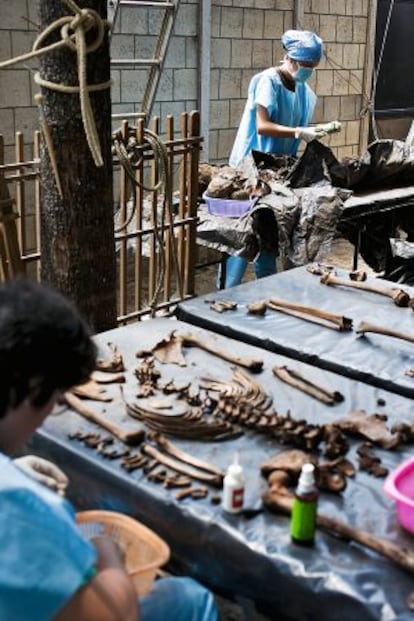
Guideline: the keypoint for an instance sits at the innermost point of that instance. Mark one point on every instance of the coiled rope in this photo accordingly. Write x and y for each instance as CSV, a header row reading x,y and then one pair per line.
x,y
162,182
73,30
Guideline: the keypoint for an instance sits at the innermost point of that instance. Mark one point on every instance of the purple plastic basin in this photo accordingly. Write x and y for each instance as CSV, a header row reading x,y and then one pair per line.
x,y
227,207
400,486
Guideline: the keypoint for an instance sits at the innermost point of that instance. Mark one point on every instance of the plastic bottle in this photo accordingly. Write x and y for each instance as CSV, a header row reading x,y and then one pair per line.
x,y
233,487
303,519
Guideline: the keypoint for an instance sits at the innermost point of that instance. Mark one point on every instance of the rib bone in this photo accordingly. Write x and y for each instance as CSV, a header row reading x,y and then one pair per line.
x,y
365,327
399,296
314,315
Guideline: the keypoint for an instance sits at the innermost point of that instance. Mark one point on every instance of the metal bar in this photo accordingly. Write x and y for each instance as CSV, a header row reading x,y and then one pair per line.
x,y
139,201
133,62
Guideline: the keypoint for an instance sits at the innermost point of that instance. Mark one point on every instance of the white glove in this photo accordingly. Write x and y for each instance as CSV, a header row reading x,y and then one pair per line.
x,y
309,133
43,471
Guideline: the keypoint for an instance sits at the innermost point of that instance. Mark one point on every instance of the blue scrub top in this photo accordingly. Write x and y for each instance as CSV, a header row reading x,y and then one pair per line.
x,y
44,559
285,107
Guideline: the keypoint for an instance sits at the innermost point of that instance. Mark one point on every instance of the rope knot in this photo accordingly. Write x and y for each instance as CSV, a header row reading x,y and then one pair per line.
x,y
83,22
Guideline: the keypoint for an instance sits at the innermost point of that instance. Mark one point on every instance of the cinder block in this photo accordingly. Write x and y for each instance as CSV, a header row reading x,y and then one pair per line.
x,y
332,108
219,114
214,83
220,53
360,25
311,22
241,53
320,6
5,46
327,28
262,54
334,53
348,107
341,85
225,143
15,88
273,25
351,56
132,85
253,24
236,111
337,7
324,82
122,46
318,115
231,22
186,22
166,86
7,126
176,53
230,84
27,121
131,20
191,53
344,30
13,14
185,84
352,132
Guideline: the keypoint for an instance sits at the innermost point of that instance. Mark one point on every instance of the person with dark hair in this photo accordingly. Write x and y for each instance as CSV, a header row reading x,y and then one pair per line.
x,y
48,570
279,107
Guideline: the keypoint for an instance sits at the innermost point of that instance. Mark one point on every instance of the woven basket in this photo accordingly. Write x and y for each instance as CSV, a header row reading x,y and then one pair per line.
x,y
145,552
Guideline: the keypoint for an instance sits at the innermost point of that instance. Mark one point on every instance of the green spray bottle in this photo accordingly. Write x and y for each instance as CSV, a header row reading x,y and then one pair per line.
x,y
303,518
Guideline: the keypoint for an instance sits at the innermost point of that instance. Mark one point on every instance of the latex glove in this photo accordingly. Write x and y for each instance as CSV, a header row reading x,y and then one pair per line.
x,y
309,133
43,471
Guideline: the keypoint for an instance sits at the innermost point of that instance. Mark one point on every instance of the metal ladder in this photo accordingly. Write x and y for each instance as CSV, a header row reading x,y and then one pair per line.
x,y
157,62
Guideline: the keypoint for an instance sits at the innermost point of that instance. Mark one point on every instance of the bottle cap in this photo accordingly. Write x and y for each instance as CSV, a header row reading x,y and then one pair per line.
x,y
235,468
307,476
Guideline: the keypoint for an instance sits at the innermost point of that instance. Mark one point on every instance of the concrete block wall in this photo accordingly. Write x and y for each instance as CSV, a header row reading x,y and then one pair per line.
x,y
245,38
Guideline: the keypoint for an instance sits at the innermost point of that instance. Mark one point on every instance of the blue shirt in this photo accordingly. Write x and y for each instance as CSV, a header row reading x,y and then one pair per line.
x,y
43,558
285,107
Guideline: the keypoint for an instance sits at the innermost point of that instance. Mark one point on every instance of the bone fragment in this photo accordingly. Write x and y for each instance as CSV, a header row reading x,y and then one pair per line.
x,y
402,556
366,327
295,379
91,390
113,364
168,447
314,315
170,350
107,378
399,296
181,467
192,492
129,436
257,308
358,275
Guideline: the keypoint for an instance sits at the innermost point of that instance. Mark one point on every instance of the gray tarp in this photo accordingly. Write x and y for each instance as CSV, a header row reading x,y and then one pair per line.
x,y
250,554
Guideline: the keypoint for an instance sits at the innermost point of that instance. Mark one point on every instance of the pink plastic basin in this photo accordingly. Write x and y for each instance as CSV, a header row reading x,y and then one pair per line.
x,y
400,486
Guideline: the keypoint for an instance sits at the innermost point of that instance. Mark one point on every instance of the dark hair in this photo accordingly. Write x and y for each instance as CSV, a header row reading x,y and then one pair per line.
x,y
44,344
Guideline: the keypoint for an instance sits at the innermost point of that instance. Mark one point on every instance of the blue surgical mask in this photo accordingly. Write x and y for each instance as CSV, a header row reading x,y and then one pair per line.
x,y
303,74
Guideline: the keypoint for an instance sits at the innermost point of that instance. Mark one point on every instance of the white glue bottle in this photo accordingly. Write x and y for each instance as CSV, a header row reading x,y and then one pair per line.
x,y
233,487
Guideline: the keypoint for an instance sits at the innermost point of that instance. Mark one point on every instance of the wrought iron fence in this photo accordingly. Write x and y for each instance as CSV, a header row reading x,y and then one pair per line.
x,y
155,212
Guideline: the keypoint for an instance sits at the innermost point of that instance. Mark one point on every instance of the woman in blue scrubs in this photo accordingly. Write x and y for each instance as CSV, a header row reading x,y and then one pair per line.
x,y
279,106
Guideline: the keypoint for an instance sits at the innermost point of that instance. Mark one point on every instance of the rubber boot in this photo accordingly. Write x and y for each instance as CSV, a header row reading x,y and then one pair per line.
x,y
265,264
235,268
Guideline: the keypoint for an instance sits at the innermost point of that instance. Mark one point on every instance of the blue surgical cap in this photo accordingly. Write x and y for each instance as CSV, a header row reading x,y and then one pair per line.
x,y
302,45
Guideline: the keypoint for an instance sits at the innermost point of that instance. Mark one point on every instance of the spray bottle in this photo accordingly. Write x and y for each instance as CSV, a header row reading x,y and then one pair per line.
x,y
233,487
303,519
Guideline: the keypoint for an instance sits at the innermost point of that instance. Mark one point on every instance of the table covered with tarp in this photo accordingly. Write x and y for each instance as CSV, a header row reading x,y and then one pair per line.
x,y
249,554
380,360
368,199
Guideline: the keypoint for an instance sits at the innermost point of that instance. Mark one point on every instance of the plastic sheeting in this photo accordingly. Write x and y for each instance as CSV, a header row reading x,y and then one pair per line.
x,y
251,554
376,359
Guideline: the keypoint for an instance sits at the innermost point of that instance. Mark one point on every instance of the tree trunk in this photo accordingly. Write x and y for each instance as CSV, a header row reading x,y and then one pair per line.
x,y
77,229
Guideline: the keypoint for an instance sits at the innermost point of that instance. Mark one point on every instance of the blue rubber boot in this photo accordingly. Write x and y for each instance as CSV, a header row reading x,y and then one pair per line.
x,y
235,268
265,264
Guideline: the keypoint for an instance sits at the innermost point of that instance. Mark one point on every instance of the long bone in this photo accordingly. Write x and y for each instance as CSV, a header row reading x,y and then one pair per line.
x,y
399,296
170,350
365,327
183,468
295,379
314,315
129,436
278,499
168,447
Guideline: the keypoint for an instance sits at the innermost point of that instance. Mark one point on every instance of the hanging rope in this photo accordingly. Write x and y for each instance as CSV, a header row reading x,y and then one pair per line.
x,y
73,30
162,183
378,68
